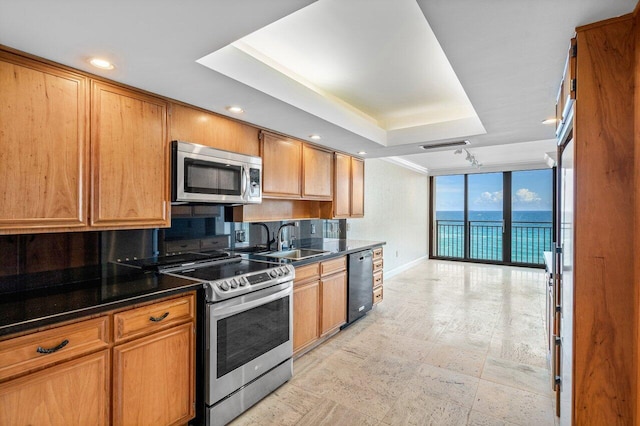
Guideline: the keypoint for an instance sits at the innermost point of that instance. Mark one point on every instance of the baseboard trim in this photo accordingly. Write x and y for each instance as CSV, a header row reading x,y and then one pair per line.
x,y
402,268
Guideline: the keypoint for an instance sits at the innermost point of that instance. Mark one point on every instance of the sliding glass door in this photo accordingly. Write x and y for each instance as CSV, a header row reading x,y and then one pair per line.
x,y
485,223
501,217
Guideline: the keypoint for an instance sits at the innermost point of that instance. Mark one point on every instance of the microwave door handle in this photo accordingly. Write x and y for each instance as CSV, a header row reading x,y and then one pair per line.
x,y
231,310
245,182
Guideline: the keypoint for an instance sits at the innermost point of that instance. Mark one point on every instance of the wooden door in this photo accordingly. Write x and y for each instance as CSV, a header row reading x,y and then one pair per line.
x,y
334,302
43,148
197,126
342,186
306,307
153,378
317,180
357,187
130,159
281,166
73,393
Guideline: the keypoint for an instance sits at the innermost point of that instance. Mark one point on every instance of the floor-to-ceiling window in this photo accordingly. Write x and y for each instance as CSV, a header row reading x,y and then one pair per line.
x,y
501,217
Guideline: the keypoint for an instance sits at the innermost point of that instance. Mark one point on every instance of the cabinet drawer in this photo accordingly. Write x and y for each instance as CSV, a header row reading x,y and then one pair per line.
x,y
150,318
377,265
306,272
377,253
183,245
333,265
33,351
377,279
377,295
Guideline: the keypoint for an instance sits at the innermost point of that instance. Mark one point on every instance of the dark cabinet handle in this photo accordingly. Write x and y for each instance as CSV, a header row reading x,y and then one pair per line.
x,y
160,318
42,350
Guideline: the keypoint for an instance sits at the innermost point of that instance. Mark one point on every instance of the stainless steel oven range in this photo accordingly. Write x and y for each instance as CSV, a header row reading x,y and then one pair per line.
x,y
248,341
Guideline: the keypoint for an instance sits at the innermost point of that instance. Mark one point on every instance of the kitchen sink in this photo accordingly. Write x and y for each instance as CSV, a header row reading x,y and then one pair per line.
x,y
297,254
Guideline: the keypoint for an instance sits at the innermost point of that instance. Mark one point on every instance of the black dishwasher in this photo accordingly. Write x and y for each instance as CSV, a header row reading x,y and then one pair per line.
x,y
360,285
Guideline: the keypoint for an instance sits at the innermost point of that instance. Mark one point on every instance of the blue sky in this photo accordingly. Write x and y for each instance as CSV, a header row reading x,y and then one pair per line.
x,y
531,190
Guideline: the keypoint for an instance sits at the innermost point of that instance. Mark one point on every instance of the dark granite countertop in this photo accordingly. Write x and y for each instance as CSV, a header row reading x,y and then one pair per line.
x,y
334,247
34,300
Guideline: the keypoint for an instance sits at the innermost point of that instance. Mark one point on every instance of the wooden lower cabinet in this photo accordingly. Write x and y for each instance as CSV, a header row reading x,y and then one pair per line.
x,y
319,302
74,375
73,393
334,302
306,306
378,276
153,378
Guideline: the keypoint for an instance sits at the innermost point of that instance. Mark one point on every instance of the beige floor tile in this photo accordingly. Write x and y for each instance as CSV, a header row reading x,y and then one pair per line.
x,y
444,384
451,344
513,405
417,409
463,361
521,376
333,414
480,419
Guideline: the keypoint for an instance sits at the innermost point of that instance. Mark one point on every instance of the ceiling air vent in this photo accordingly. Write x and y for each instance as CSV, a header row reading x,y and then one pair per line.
x,y
444,144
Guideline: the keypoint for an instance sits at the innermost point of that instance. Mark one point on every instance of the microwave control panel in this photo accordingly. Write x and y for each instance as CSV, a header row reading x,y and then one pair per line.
x,y
254,182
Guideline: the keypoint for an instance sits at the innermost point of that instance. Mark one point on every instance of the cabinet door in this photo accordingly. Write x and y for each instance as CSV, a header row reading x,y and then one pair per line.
x,y
342,183
306,307
197,126
153,378
281,166
317,180
357,187
43,153
334,301
73,393
130,159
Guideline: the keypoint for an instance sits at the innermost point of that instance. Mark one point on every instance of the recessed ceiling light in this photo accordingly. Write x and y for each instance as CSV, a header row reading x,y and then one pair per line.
x,y
362,152
444,144
103,64
235,109
315,137
550,121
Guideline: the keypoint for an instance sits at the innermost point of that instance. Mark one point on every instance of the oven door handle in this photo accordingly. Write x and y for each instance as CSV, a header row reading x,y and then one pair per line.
x,y
223,312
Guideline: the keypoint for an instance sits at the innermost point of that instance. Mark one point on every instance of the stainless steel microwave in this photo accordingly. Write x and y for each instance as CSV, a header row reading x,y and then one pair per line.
x,y
201,174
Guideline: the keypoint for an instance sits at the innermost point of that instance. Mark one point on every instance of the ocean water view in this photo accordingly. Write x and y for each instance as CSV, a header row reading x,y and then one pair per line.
x,y
531,234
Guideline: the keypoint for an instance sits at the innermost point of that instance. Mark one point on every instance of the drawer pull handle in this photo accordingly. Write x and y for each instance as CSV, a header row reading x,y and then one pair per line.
x,y
42,350
160,318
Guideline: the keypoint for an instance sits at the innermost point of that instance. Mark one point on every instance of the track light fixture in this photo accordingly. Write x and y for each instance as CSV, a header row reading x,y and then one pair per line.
x,y
470,157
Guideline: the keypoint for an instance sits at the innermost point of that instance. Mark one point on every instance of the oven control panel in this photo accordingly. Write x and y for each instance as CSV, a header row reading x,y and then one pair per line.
x,y
242,284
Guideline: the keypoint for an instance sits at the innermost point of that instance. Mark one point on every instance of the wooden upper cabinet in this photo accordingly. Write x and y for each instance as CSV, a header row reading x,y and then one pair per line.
x,y
357,187
197,126
342,184
130,159
281,166
317,178
43,147
348,196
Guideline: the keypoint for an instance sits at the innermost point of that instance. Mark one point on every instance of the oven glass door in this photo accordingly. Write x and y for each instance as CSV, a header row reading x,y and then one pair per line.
x,y
210,177
248,336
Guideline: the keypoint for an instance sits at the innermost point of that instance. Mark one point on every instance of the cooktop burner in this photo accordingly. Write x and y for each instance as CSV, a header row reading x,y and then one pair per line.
x,y
182,260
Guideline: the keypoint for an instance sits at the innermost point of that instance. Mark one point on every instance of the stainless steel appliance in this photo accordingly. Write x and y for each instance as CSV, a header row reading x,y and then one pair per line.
x,y
360,284
201,174
248,327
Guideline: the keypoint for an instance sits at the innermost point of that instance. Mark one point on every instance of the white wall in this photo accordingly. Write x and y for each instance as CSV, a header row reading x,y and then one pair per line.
x,y
396,211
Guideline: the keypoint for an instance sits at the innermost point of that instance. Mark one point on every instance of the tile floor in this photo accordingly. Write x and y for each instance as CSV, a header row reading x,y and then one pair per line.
x,y
451,344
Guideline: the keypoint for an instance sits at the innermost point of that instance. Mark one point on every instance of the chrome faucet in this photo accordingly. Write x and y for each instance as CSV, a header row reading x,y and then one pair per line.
x,y
266,228
279,236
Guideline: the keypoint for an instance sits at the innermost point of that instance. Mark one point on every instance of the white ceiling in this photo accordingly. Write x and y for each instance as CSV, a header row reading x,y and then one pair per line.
x,y
359,66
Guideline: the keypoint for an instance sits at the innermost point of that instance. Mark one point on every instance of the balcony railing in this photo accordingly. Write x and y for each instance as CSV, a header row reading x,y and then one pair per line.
x,y
528,240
